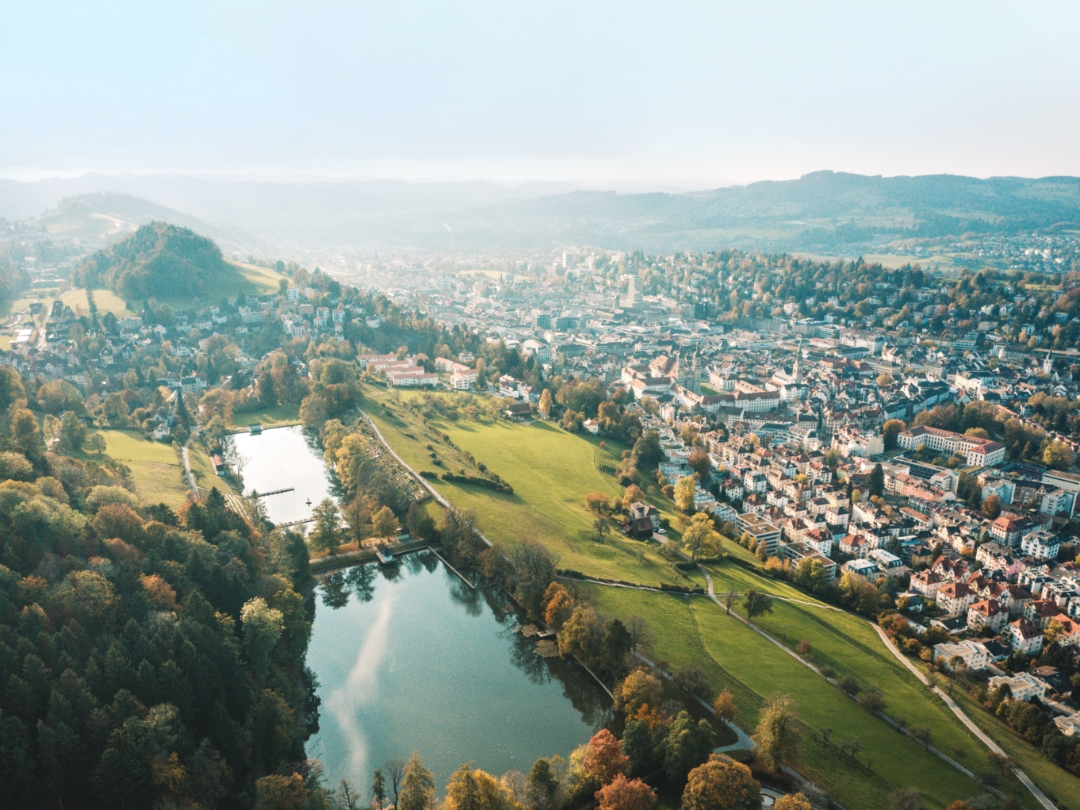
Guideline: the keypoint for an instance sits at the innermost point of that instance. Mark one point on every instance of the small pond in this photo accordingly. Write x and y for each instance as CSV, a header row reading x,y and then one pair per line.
x,y
278,459
408,657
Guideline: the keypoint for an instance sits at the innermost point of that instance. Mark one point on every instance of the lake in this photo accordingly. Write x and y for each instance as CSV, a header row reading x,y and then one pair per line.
x,y
410,657
278,459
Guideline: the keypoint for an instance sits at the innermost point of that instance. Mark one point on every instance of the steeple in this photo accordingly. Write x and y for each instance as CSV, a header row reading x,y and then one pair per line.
x,y
1048,364
796,369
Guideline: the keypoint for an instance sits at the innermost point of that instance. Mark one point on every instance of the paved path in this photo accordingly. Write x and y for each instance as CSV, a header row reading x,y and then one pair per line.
x,y
187,470
423,481
1041,797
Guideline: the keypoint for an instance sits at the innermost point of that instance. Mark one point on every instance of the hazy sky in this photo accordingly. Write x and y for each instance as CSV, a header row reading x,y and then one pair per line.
x,y
692,92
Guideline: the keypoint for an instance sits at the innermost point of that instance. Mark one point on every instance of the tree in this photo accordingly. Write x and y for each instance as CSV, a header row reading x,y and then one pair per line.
x,y
805,650
999,763
558,605
604,758
730,600
757,604
725,707
684,493
276,792
545,403
384,524
1058,455
417,786
641,688
700,463
72,432
638,743
875,482
923,734
582,634
778,736
615,647
541,786
470,789
378,790
96,444
991,507
626,794
904,799
263,626
601,530
345,798
395,772
692,681
700,537
793,801
721,782
873,700
326,535
687,745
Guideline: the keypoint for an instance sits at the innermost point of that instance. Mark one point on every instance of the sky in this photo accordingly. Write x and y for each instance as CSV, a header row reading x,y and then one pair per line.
x,y
599,93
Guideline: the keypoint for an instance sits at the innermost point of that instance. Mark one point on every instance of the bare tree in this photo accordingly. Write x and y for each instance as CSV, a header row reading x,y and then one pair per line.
x,y
730,598
640,636
825,733
344,798
395,772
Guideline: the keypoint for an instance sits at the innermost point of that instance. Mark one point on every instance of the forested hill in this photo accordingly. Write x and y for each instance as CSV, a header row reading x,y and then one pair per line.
x,y
157,261
824,211
150,659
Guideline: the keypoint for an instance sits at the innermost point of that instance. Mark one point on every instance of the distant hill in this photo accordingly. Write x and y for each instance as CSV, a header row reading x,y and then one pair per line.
x,y
157,261
828,212
107,216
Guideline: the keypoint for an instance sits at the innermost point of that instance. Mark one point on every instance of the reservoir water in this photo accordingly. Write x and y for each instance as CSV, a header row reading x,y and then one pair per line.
x,y
410,657
278,459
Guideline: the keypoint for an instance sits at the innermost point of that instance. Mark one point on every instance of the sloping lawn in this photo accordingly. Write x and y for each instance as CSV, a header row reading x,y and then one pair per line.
x,y
155,469
550,470
694,631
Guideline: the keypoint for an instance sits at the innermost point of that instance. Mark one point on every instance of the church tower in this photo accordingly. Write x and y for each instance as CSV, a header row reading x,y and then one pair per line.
x,y
796,368
1048,364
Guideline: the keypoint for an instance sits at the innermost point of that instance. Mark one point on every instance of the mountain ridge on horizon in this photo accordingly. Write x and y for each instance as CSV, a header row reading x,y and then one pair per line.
x,y
823,210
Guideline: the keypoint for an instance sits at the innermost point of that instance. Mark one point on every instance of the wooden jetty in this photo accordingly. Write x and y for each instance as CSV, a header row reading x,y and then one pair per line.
x,y
272,492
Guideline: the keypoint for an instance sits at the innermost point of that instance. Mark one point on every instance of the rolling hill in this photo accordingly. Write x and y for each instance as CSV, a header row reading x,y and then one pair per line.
x,y
169,263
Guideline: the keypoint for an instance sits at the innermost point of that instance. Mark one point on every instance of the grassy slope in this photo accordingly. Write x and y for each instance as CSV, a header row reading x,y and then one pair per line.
x,y
157,472
693,631
106,301
550,470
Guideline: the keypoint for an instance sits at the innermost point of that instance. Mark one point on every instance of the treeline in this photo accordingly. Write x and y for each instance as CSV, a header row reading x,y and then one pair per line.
x,y
151,658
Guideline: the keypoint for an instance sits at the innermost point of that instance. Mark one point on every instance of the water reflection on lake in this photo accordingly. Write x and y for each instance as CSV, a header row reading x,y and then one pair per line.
x,y
279,459
408,656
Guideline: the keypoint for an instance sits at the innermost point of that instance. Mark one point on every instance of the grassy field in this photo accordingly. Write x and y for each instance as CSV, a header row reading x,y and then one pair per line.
x,y
157,472
550,470
106,301
277,416
693,631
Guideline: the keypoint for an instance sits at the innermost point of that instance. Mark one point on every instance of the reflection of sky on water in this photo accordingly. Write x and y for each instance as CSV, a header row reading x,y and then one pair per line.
x,y
278,459
415,659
